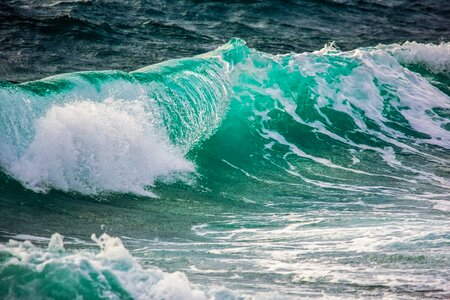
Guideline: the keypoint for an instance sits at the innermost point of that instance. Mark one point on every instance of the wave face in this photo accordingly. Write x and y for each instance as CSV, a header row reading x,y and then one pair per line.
x,y
111,131
354,121
344,120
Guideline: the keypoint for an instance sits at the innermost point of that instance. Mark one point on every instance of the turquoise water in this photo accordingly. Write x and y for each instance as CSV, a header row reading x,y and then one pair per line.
x,y
232,174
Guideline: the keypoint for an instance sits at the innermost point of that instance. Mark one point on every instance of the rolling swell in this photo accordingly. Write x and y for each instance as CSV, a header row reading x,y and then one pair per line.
x,y
355,121
65,131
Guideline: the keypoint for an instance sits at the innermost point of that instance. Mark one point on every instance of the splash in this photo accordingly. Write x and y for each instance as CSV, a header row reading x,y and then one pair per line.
x,y
92,147
435,58
111,273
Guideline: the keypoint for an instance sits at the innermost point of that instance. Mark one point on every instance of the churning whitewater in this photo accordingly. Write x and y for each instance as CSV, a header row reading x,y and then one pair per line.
x,y
316,174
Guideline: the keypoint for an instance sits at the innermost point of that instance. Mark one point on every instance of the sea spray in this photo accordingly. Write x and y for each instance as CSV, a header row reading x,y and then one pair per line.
x,y
28,271
92,147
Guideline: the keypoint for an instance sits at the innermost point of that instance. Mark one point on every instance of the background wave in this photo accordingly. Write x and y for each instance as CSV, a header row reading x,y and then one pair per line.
x,y
53,37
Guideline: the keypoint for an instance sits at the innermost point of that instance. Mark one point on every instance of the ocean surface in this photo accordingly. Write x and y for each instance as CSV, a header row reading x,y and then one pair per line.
x,y
224,150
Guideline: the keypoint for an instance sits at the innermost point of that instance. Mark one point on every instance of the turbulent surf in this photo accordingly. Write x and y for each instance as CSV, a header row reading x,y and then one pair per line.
x,y
303,174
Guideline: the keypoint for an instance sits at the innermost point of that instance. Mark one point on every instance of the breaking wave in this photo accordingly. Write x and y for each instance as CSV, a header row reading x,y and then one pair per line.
x,y
361,120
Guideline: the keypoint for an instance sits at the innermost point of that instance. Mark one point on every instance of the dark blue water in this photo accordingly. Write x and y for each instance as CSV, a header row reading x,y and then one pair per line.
x,y
42,38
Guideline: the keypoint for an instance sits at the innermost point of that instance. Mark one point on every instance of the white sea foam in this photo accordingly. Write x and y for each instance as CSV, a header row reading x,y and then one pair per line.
x,y
91,147
434,57
359,89
112,264
379,249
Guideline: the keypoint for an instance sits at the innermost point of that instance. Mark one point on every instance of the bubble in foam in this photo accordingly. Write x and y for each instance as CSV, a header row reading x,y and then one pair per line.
x,y
91,147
